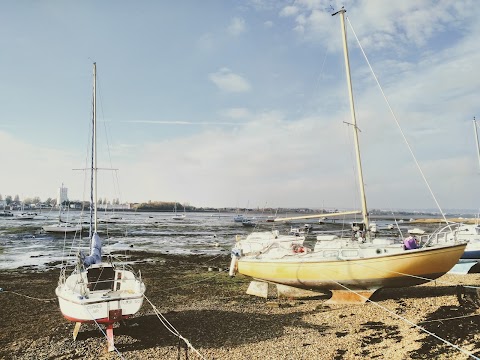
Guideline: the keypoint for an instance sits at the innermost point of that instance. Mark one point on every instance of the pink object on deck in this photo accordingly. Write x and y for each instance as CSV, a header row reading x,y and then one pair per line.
x,y
410,243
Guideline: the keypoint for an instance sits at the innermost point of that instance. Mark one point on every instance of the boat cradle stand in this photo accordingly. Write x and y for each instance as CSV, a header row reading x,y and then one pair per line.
x,y
267,290
114,316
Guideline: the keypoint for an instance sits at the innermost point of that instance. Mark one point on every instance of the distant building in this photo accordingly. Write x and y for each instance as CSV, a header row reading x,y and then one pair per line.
x,y
62,195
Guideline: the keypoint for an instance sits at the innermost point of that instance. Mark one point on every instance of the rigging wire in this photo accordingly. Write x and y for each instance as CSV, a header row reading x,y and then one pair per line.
x,y
468,353
397,123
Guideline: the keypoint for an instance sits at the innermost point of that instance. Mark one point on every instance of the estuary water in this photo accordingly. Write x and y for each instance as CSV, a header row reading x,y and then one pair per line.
x,y
24,244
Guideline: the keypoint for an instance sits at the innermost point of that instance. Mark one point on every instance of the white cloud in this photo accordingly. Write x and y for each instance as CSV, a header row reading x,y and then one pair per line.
x,y
289,11
206,42
268,24
36,170
236,113
378,22
227,81
237,26
269,160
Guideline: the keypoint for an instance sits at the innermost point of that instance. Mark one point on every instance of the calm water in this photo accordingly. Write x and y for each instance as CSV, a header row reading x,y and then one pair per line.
x,y
24,243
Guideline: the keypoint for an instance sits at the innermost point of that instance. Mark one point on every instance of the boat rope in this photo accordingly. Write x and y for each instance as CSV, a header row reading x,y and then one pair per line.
x,y
190,283
466,352
27,296
171,328
220,255
449,318
103,332
397,123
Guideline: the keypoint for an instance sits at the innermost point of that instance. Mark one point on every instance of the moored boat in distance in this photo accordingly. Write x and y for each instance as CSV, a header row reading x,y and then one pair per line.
x,y
178,216
25,216
62,227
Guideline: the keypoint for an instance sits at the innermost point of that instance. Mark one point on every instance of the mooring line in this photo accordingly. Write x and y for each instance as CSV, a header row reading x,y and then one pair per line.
x,y
27,296
171,328
450,318
468,353
104,334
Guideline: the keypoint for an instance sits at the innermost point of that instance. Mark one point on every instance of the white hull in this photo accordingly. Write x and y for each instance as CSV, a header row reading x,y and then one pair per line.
x,y
62,228
78,303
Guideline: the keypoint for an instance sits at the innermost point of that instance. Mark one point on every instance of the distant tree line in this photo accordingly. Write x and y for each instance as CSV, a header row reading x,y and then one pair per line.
x,y
162,206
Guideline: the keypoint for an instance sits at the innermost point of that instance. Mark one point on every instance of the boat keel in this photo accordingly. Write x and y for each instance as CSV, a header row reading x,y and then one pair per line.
x,y
349,297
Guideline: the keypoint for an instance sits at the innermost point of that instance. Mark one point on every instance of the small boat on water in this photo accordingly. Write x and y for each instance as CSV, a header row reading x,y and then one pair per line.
x,y
62,228
238,218
178,216
351,268
249,223
6,213
25,216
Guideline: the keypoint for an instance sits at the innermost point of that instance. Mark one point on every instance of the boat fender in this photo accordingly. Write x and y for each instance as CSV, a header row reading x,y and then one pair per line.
x,y
233,266
236,254
298,248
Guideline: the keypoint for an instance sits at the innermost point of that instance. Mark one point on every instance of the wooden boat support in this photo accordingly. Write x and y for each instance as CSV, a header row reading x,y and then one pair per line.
x,y
267,290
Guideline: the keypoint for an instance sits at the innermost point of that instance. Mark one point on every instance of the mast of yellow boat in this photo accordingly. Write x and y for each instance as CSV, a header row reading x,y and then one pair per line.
x,y
476,138
354,119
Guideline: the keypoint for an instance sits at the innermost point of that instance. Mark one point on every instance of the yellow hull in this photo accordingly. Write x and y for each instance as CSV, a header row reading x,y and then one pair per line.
x,y
407,268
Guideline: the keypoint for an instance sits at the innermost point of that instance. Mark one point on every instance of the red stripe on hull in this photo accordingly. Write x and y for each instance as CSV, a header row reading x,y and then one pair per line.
x,y
100,321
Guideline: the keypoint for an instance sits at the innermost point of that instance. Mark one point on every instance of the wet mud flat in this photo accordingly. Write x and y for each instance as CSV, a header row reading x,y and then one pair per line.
x,y
213,312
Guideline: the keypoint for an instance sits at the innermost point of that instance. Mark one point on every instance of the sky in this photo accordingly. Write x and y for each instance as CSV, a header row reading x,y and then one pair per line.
x,y
242,103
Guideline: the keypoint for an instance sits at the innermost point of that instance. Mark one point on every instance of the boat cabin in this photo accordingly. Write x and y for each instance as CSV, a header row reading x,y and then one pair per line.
x,y
100,277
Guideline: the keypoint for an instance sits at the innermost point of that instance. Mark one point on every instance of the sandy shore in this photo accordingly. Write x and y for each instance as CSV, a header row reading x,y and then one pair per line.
x,y
213,312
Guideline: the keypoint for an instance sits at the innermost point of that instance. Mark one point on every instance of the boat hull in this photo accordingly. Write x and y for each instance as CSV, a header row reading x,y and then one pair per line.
x,y
62,229
104,312
408,268
121,298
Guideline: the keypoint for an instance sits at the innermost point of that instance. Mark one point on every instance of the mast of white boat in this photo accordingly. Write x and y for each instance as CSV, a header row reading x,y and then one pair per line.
x,y
93,178
354,120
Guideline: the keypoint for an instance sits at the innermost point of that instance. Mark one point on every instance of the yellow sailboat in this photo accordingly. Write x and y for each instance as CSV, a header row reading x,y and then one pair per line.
x,y
352,268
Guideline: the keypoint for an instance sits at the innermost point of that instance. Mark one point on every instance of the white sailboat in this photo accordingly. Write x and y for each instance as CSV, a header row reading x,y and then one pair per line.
x,y
178,216
351,268
98,290
62,227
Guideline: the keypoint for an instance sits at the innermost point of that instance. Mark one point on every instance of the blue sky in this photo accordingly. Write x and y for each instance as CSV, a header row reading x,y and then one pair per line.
x,y
229,103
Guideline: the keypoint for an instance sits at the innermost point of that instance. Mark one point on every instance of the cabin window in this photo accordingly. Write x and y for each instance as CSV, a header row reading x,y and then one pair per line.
x,y
349,253
330,253
100,278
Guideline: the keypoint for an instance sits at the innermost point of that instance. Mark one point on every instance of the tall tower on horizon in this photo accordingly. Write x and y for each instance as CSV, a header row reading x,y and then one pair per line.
x,y
62,195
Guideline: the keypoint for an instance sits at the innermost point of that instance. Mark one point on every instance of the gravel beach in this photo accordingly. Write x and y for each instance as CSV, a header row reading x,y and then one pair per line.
x,y
213,312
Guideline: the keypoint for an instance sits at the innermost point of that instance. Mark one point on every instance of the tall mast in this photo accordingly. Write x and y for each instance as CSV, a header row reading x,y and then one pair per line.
x,y
94,168
476,138
354,119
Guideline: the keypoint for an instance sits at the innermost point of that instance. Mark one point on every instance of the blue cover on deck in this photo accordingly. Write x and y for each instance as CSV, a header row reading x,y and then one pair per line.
x,y
95,256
